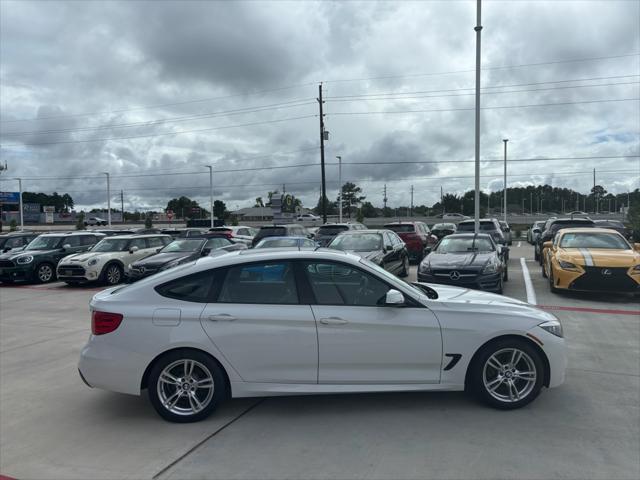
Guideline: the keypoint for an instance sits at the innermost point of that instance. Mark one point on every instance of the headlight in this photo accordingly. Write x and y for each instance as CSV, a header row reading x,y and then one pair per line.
x,y
567,265
92,262
554,327
424,267
490,268
24,260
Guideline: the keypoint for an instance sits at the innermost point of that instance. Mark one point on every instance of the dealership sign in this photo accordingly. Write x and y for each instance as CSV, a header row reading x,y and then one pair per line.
x,y
9,197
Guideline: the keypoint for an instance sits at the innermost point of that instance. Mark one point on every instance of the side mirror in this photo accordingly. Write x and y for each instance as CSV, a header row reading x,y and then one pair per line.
x,y
394,298
388,248
310,236
158,250
66,246
547,245
636,247
205,252
133,249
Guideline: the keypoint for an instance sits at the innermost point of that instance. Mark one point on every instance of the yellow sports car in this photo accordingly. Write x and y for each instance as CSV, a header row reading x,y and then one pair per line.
x,y
591,259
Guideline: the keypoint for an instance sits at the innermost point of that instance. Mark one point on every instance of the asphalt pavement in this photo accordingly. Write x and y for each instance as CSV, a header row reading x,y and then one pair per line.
x,y
53,426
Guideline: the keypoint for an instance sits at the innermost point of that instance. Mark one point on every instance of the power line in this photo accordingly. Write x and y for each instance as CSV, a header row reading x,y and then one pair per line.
x,y
529,84
161,121
497,107
164,134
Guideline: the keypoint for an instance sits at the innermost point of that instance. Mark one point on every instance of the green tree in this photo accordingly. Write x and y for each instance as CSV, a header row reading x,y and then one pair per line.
x,y
634,220
259,202
80,221
220,210
359,216
148,223
332,207
183,206
351,197
13,225
368,210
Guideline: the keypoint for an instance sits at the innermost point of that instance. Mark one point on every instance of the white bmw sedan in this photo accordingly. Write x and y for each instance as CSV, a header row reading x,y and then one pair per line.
x,y
263,322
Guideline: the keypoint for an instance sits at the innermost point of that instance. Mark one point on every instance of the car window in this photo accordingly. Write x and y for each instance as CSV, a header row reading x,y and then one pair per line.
x,y
243,231
308,243
72,241
87,240
155,242
340,284
191,288
138,242
15,242
264,283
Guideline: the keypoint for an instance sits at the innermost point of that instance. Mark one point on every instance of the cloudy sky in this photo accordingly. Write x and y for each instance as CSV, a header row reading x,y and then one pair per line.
x,y
154,91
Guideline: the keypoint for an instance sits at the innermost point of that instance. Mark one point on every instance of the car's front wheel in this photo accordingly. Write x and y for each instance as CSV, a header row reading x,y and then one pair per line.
x,y
507,374
113,274
186,386
405,267
45,273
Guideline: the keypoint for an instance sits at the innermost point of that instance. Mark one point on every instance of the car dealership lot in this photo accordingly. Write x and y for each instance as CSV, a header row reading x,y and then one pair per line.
x,y
53,426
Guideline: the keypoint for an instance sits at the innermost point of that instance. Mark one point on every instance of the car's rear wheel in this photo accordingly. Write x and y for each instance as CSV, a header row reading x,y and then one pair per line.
x,y
186,386
45,273
536,256
112,274
507,374
405,267
505,276
552,287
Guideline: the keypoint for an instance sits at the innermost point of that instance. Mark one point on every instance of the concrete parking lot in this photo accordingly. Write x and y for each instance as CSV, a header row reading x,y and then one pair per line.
x,y
53,426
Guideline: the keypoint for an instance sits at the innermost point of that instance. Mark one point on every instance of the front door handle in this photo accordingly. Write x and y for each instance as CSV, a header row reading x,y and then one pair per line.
x,y
333,321
223,317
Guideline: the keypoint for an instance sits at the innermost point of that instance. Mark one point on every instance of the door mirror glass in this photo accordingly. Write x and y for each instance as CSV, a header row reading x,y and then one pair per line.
x,y
636,247
133,249
205,252
547,244
394,297
66,246
158,250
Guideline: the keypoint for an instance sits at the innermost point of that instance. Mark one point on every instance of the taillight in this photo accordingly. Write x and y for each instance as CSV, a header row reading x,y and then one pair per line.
x,y
104,322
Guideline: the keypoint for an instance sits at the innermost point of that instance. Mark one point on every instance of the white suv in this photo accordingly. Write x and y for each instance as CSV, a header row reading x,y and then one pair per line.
x,y
106,261
94,222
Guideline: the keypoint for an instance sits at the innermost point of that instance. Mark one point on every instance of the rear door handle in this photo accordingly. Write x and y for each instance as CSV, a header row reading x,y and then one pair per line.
x,y
333,321
223,317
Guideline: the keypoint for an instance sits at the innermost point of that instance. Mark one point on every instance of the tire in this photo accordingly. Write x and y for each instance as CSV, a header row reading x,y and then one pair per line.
x,y
544,269
485,374
174,367
505,277
112,274
405,270
552,289
45,273
536,256
500,287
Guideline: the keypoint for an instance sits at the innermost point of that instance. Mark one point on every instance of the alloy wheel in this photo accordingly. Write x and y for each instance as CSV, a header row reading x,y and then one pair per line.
x,y
509,375
113,275
45,273
185,387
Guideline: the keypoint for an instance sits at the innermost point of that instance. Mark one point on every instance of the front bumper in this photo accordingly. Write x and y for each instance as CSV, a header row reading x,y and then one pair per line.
x,y
489,282
77,273
134,274
16,273
555,348
592,279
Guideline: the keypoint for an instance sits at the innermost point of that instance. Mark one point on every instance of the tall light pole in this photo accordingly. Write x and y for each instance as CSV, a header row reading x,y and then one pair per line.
x,y
108,198
339,186
20,201
478,29
210,191
505,180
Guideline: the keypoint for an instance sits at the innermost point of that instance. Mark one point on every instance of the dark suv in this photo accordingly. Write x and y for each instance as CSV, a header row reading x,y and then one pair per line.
x,y
551,228
289,230
417,237
329,231
15,241
38,261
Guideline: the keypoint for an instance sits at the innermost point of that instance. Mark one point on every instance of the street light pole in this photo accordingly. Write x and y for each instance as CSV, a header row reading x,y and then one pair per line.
x,y
108,199
340,186
478,29
21,214
505,180
210,192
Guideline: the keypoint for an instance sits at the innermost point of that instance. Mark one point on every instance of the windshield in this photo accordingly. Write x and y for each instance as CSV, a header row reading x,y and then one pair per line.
x,y
278,242
190,245
443,226
357,242
464,245
45,243
559,225
272,232
610,241
470,227
111,245
332,230
401,228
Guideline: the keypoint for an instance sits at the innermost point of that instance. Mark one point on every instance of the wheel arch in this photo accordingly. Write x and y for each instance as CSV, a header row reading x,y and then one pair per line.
x,y
118,262
543,356
145,376
46,261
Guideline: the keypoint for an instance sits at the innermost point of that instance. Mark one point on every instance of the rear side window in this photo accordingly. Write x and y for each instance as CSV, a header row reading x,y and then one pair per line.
x,y
138,242
272,232
192,288
265,283
401,228
155,242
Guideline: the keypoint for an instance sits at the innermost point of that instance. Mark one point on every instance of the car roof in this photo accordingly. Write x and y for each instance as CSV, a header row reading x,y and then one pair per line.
x,y
17,234
71,234
298,237
482,220
562,231
391,224
368,230
468,235
144,235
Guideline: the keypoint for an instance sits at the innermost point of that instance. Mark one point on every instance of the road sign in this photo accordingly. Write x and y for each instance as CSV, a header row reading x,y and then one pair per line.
x,y
9,197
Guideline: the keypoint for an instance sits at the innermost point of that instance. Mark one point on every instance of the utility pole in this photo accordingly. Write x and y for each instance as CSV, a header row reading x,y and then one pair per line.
x,y
324,187
442,200
505,180
339,186
21,213
531,202
595,196
522,205
284,188
122,204
478,29
411,210
108,199
384,199
210,192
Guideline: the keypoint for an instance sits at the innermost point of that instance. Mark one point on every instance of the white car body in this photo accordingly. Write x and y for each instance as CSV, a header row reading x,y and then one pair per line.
x,y
454,216
95,221
307,219
239,233
309,348
89,266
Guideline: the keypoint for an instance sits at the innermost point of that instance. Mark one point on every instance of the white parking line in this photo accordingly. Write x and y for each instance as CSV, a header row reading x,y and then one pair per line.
x,y
531,293
519,244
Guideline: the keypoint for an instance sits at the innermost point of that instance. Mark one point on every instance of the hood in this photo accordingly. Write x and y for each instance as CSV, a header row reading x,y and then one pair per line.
x,y
459,260
13,250
82,257
368,255
11,255
599,257
161,258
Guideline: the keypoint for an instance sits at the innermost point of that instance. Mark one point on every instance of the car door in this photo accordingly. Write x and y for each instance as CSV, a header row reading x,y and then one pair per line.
x,y
363,341
144,249
390,258
260,326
